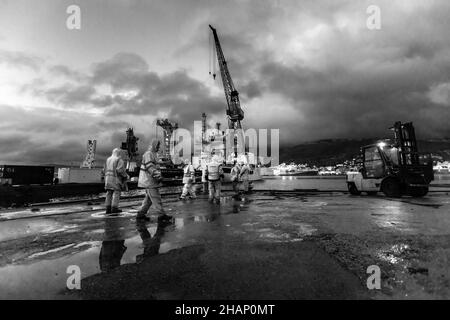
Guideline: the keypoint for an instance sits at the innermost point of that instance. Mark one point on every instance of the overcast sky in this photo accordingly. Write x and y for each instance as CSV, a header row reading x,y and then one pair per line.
x,y
310,68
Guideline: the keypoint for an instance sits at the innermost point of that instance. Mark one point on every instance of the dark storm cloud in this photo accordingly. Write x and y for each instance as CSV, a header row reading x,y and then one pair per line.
x,y
137,91
123,71
341,79
69,95
251,89
310,68
177,94
65,71
42,135
20,59
12,145
348,104
68,151
20,149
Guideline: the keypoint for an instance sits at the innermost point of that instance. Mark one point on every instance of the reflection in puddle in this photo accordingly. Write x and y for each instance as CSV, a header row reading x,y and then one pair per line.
x,y
108,243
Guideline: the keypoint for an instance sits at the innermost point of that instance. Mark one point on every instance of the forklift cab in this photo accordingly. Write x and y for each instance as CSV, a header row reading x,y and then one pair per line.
x,y
373,168
378,160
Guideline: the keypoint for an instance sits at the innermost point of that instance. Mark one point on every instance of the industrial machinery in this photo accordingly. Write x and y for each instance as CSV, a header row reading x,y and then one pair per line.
x,y
26,175
394,168
168,129
234,112
131,147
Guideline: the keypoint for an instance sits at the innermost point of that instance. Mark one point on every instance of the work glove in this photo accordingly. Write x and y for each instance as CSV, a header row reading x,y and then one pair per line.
x,y
156,175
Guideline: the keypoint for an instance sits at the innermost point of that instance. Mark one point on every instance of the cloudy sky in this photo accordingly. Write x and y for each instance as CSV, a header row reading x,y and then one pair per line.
x,y
310,68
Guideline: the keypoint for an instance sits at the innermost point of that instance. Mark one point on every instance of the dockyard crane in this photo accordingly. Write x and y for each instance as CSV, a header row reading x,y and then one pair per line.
x,y
234,111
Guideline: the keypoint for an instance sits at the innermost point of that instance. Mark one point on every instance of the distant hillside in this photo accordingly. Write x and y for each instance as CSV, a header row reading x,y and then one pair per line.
x,y
330,152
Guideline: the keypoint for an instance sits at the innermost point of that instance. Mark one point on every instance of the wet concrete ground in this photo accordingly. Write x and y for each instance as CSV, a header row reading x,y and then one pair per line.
x,y
270,246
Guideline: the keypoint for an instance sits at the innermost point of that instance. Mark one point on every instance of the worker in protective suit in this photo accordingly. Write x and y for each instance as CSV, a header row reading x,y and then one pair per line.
x,y
188,180
150,179
235,171
244,176
204,178
215,174
115,179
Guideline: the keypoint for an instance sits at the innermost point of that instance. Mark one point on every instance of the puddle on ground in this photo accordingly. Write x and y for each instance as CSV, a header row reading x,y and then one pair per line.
x,y
17,229
42,274
105,243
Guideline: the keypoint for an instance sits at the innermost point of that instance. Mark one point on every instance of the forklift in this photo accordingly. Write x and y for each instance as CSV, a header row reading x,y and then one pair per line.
x,y
394,168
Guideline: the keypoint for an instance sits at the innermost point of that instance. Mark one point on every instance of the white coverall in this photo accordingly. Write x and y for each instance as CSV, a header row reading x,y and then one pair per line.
x,y
188,180
115,177
214,173
150,180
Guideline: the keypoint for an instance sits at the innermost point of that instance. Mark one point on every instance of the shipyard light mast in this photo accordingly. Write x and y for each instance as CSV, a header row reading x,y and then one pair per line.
x,y
234,112
90,155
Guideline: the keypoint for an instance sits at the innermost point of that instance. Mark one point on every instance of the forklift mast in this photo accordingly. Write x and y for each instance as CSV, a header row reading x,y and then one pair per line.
x,y
405,141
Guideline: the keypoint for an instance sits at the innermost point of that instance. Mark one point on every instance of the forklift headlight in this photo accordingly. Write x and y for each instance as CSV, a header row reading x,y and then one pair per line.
x,y
381,144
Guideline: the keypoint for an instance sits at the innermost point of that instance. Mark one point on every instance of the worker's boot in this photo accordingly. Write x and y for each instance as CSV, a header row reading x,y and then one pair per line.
x,y
164,218
142,218
108,209
115,210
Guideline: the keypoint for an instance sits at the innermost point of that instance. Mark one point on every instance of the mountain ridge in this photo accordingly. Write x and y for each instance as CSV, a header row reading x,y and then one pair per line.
x,y
326,152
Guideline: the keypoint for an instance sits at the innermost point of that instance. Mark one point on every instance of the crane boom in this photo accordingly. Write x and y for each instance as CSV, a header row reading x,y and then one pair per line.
x,y
234,112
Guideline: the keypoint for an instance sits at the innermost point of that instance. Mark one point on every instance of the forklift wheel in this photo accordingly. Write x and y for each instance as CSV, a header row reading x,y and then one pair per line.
x,y
391,188
353,190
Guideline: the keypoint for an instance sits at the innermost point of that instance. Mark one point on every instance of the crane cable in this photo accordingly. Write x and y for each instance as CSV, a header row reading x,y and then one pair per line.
x,y
209,51
212,56
214,62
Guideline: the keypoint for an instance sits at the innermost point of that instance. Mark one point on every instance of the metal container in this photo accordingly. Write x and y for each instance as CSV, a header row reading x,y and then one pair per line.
x,y
26,175
80,175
